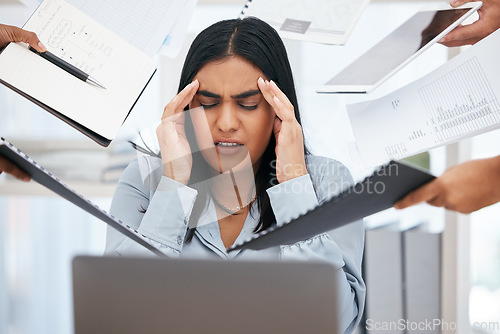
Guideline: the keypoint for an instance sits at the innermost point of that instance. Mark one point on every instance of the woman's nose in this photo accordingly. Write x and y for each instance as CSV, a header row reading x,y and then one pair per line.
x,y
227,120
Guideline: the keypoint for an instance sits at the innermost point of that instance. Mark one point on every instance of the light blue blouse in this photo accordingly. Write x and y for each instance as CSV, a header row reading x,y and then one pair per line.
x,y
169,204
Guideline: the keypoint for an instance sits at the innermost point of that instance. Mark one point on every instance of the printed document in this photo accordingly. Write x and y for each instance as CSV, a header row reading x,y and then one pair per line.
x,y
321,21
456,101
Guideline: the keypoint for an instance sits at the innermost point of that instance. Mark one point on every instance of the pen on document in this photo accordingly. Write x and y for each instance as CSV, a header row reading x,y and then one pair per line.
x,y
73,70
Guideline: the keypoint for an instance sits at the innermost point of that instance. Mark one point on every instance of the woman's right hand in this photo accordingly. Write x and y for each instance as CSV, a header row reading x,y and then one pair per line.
x,y
174,146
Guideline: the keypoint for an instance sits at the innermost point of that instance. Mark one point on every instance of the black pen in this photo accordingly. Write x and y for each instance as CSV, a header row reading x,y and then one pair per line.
x,y
73,70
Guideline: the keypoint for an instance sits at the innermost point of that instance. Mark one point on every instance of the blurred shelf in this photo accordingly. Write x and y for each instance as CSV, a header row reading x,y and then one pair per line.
x,y
30,146
73,153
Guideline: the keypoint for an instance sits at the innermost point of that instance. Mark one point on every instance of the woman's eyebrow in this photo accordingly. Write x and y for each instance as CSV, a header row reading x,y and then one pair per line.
x,y
246,94
243,95
206,93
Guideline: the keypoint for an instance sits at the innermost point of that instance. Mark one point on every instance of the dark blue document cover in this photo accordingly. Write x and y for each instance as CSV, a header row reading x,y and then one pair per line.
x,y
376,193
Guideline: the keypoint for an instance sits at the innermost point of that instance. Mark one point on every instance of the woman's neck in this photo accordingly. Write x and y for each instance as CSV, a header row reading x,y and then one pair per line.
x,y
234,191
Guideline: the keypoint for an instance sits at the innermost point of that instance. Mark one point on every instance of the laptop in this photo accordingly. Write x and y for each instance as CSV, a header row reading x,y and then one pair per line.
x,y
157,295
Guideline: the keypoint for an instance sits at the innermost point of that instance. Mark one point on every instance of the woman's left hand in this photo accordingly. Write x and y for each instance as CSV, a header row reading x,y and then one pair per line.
x,y
290,160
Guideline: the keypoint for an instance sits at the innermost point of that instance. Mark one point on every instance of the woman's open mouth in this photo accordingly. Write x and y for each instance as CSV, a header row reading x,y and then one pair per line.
x,y
228,148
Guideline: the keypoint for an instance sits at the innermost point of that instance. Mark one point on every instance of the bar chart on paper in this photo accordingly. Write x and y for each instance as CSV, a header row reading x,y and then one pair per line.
x,y
456,101
460,103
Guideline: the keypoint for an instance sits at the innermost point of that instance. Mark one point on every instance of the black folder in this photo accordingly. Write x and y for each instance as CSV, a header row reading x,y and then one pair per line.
x,y
377,192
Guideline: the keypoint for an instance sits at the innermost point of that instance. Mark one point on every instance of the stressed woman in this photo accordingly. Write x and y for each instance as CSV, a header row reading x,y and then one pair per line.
x,y
233,162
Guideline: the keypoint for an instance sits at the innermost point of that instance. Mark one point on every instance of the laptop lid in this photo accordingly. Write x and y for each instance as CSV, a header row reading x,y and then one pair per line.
x,y
153,295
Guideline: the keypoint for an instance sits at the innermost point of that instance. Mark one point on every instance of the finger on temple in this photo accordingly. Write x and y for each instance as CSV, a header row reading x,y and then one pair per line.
x,y
270,96
181,100
266,92
281,96
282,111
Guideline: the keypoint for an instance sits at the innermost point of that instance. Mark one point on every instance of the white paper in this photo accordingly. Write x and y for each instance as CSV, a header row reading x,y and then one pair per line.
x,y
456,101
330,21
172,45
144,24
79,40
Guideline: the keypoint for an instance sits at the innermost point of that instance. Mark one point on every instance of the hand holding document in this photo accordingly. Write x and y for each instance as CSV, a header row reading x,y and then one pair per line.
x,y
85,44
456,101
376,193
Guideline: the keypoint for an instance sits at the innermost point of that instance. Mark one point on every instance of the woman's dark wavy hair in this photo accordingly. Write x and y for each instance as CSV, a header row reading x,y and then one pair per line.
x,y
257,42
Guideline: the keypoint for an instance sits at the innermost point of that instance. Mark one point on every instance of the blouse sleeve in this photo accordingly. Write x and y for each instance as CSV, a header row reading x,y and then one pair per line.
x,y
342,247
156,206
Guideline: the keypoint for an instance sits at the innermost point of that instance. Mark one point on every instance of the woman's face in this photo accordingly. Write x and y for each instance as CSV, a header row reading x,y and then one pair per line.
x,y
237,120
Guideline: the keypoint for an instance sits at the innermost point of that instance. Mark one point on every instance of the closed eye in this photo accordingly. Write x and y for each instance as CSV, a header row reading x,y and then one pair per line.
x,y
208,106
248,106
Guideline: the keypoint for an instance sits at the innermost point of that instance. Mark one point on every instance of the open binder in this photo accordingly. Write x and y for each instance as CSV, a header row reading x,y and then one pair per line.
x,y
45,178
377,192
74,37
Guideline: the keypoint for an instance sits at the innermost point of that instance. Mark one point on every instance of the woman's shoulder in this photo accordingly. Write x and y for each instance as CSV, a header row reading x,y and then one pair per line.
x,y
329,176
319,166
144,169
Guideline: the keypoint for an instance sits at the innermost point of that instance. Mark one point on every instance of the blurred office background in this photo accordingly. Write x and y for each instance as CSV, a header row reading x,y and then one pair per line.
x,y
40,233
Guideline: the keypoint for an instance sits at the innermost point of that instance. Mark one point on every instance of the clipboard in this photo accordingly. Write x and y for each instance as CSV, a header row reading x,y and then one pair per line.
x,y
377,192
48,180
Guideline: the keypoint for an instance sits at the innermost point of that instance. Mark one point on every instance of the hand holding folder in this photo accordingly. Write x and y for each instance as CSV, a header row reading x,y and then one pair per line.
x,y
376,193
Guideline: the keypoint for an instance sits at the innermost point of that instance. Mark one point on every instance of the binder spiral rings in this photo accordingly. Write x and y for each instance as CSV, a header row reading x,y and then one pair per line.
x,y
245,8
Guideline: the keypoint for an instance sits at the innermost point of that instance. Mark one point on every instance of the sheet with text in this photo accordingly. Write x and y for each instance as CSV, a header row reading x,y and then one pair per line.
x,y
456,101
321,21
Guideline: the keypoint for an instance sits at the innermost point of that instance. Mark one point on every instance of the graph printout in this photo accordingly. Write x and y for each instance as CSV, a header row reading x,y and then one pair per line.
x,y
456,101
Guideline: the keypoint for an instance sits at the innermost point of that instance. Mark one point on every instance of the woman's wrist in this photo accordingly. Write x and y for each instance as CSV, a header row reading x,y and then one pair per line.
x,y
292,171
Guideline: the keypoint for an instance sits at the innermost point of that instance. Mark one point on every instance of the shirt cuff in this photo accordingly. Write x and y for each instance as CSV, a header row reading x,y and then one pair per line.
x,y
168,213
292,198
